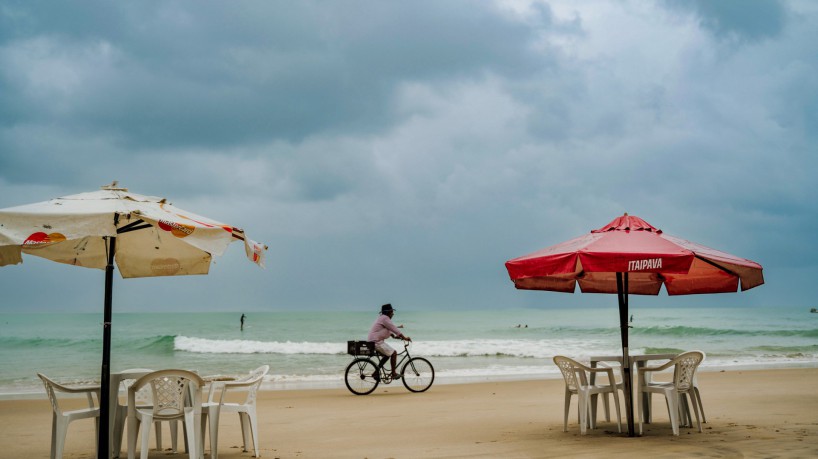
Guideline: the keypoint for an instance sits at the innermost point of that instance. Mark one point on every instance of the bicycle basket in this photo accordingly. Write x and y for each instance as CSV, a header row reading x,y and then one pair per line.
x,y
361,348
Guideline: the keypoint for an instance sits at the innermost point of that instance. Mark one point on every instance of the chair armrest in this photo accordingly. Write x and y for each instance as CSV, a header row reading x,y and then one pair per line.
x,y
89,392
224,387
95,388
214,382
607,370
659,368
605,365
620,368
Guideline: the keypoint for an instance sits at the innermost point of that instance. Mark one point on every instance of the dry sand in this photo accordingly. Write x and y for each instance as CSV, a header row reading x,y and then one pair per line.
x,y
750,414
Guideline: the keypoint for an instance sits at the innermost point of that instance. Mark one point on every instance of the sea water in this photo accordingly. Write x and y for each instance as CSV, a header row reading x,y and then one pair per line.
x,y
308,349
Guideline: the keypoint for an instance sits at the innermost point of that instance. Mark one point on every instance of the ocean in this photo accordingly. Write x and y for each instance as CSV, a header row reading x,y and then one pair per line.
x,y
308,349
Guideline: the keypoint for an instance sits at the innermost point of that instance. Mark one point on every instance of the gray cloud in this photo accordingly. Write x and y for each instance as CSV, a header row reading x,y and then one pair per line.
x,y
736,19
220,74
390,151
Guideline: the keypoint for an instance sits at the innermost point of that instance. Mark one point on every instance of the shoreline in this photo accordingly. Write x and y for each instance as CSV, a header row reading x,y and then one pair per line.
x,y
755,413
272,383
276,383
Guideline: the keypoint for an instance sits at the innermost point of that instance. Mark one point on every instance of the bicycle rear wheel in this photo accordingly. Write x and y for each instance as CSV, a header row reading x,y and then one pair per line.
x,y
359,376
418,374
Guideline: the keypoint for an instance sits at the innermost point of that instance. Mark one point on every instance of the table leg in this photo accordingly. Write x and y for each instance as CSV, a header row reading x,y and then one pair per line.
x,y
646,398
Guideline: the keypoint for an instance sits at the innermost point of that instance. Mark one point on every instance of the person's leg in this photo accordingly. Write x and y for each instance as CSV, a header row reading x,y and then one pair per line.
x,y
389,354
394,364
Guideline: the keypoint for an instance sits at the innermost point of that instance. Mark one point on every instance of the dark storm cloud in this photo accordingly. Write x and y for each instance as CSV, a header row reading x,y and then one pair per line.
x,y
738,18
167,74
404,150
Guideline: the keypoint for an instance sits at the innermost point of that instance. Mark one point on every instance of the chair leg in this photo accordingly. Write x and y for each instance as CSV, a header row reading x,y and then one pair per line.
x,y
254,431
592,403
694,402
583,412
132,429
214,431
640,400
673,409
59,436
147,423
158,428
190,431
96,437
53,436
565,417
684,411
618,416
174,435
245,431
699,401
119,430
249,425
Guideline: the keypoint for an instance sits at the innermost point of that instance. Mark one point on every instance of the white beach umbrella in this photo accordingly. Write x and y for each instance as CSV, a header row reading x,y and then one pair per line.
x,y
145,236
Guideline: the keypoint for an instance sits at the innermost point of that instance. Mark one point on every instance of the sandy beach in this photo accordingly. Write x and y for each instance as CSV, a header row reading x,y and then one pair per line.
x,y
764,413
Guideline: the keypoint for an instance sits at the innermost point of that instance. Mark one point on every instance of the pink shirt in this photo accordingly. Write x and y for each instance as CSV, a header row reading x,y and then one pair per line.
x,y
382,328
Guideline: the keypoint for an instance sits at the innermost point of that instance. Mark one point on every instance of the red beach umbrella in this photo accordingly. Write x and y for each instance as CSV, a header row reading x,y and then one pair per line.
x,y
629,255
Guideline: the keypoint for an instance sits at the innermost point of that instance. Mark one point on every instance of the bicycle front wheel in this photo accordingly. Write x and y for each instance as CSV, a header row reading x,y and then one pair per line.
x,y
418,374
362,376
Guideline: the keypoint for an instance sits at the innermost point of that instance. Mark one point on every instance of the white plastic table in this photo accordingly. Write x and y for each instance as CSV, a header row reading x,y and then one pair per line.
x,y
637,361
114,437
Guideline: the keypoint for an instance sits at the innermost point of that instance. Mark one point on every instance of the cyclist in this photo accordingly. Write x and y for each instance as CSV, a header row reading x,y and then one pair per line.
x,y
384,328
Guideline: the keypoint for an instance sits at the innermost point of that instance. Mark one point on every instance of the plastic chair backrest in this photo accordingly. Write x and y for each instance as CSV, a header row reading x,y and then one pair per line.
x,y
143,395
259,372
169,391
257,375
572,371
685,369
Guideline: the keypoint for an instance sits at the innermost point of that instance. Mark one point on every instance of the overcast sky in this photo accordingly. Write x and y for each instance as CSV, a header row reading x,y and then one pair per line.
x,y
393,151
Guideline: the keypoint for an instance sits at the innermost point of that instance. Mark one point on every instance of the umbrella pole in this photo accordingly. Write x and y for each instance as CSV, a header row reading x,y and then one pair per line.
x,y
627,377
103,446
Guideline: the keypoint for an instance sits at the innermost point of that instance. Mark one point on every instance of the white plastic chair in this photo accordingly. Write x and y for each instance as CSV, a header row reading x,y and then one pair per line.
x,y
217,404
175,395
576,382
684,371
61,418
143,400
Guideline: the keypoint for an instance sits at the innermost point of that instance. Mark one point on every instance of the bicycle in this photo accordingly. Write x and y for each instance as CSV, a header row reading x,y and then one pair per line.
x,y
363,375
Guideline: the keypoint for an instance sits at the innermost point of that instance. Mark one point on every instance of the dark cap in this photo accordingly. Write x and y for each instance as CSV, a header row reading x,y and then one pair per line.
x,y
387,308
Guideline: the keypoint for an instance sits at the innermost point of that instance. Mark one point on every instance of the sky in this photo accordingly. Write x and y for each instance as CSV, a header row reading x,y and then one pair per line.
x,y
401,152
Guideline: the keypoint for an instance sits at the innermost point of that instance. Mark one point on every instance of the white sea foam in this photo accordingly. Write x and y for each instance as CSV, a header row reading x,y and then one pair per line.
x,y
456,348
237,346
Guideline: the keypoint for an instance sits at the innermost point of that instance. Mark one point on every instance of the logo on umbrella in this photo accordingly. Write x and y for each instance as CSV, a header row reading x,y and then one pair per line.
x,y
641,265
41,239
165,266
177,229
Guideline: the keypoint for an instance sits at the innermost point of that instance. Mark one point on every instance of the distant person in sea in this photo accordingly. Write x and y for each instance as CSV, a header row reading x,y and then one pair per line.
x,y
382,329
242,322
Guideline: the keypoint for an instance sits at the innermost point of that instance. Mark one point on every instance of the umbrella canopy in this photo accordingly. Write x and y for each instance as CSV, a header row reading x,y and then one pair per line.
x,y
629,255
145,236
631,245
154,238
